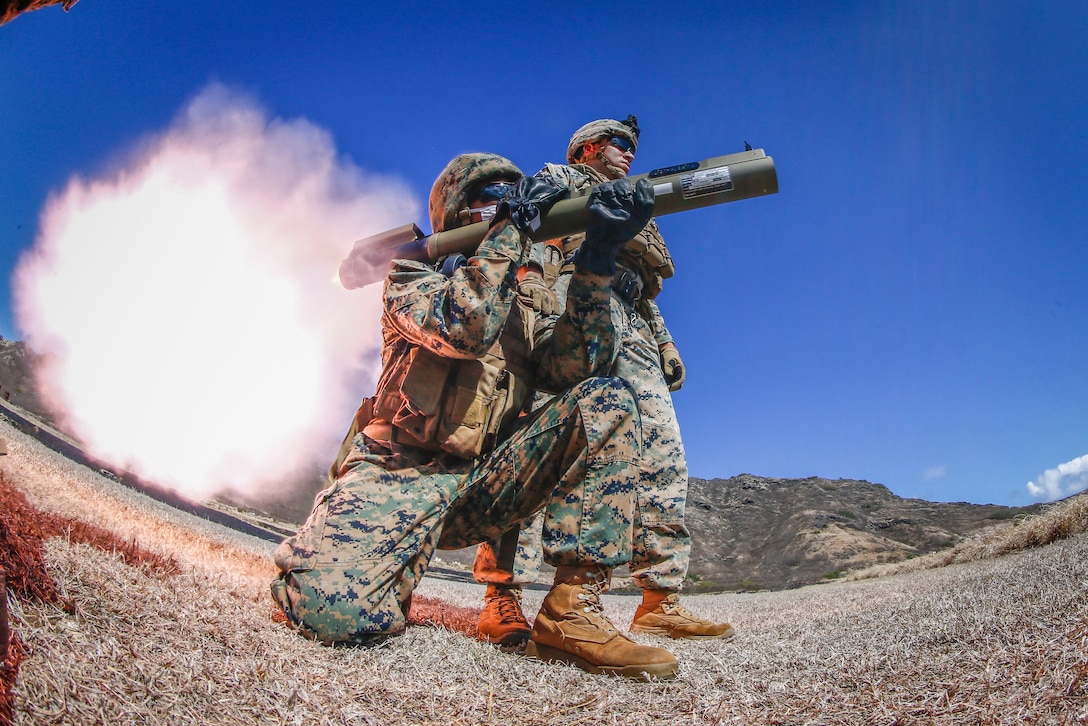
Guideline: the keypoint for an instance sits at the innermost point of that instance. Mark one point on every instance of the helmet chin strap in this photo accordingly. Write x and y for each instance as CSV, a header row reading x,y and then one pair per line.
x,y
614,172
617,172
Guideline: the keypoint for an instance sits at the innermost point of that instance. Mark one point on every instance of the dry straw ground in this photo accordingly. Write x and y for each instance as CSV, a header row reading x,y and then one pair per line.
x,y
997,640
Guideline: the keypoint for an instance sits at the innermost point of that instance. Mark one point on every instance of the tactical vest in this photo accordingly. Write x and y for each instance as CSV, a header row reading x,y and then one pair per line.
x,y
646,253
465,407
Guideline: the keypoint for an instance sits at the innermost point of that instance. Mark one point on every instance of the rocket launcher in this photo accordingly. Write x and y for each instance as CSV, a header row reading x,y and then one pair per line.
x,y
677,188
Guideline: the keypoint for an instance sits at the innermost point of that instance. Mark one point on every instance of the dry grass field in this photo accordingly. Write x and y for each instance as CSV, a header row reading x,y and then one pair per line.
x,y
174,625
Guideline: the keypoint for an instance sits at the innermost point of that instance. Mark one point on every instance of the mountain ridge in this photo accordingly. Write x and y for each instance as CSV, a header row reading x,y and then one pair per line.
x,y
752,532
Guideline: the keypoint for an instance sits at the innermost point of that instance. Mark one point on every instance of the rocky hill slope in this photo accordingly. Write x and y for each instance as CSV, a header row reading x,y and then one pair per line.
x,y
751,532
17,366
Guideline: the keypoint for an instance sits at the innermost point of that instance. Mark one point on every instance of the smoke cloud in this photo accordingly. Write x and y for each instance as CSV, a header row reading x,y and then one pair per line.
x,y
1065,480
188,303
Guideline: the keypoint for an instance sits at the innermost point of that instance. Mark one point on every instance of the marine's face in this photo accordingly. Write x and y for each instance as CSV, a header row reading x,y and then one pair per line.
x,y
616,153
486,200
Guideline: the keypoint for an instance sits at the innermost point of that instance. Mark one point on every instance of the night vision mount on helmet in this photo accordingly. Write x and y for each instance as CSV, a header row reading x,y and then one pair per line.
x,y
602,128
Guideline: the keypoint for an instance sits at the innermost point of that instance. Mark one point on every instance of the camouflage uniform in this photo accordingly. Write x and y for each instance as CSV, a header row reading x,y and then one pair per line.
x,y
348,574
661,540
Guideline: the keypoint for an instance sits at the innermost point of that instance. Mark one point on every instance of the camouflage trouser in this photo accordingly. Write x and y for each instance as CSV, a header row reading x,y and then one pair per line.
x,y
661,544
347,576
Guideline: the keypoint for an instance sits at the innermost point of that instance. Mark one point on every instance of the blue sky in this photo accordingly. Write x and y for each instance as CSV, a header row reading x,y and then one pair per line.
x,y
909,309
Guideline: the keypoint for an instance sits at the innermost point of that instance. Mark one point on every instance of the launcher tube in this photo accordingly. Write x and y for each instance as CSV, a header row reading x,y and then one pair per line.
x,y
677,188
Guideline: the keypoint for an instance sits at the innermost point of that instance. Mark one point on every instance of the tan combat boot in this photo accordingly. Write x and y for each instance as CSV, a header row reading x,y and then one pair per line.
x,y
662,614
571,628
501,620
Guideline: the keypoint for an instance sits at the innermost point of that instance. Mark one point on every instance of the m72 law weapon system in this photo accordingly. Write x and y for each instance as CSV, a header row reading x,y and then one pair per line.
x,y
677,188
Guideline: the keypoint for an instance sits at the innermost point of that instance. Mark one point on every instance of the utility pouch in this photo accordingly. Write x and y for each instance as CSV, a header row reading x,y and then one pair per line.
x,y
474,410
462,425
425,381
647,253
422,391
510,396
454,404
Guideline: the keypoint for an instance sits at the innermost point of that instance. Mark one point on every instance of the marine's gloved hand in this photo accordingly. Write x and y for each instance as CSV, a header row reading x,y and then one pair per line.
x,y
541,297
529,201
672,366
618,211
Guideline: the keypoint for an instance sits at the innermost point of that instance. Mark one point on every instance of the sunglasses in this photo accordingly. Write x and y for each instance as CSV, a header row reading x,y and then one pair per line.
x,y
488,198
622,144
495,191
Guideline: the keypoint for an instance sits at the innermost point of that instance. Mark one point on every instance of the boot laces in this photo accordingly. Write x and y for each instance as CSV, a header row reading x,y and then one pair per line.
x,y
592,603
671,605
509,606
591,597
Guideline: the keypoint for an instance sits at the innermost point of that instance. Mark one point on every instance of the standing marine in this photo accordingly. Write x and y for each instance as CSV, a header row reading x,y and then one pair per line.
x,y
647,359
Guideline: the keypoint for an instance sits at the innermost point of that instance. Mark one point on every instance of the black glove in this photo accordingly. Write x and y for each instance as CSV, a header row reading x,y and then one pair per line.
x,y
529,201
617,212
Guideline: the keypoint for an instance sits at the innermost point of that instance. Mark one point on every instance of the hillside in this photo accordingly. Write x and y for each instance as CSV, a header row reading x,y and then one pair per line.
x,y
758,533
17,367
751,532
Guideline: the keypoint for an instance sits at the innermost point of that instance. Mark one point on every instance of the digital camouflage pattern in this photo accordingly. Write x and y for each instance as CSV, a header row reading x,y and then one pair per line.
x,y
347,576
449,193
646,254
661,546
662,542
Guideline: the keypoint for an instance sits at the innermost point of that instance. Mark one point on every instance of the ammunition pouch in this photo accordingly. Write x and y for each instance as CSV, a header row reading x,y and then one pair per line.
x,y
648,254
464,407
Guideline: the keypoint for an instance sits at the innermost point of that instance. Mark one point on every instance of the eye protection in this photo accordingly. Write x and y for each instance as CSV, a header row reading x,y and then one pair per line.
x,y
495,191
488,198
622,144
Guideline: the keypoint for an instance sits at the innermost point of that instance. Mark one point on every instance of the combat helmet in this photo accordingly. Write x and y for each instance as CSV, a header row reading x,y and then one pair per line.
x,y
450,193
599,129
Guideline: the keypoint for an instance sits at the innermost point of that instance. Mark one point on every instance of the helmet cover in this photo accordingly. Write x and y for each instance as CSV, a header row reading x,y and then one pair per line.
x,y
450,193
599,129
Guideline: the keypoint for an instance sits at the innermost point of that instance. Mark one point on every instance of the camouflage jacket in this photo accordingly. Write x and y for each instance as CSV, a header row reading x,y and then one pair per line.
x,y
475,313
646,254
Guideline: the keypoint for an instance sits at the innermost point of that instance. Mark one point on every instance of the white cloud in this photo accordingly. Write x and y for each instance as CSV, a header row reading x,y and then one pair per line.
x,y
936,472
1063,481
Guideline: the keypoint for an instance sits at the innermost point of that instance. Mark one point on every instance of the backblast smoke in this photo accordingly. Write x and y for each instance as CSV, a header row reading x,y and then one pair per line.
x,y
188,306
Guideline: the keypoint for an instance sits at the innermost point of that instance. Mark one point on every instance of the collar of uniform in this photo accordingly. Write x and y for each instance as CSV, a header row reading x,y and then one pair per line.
x,y
596,176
